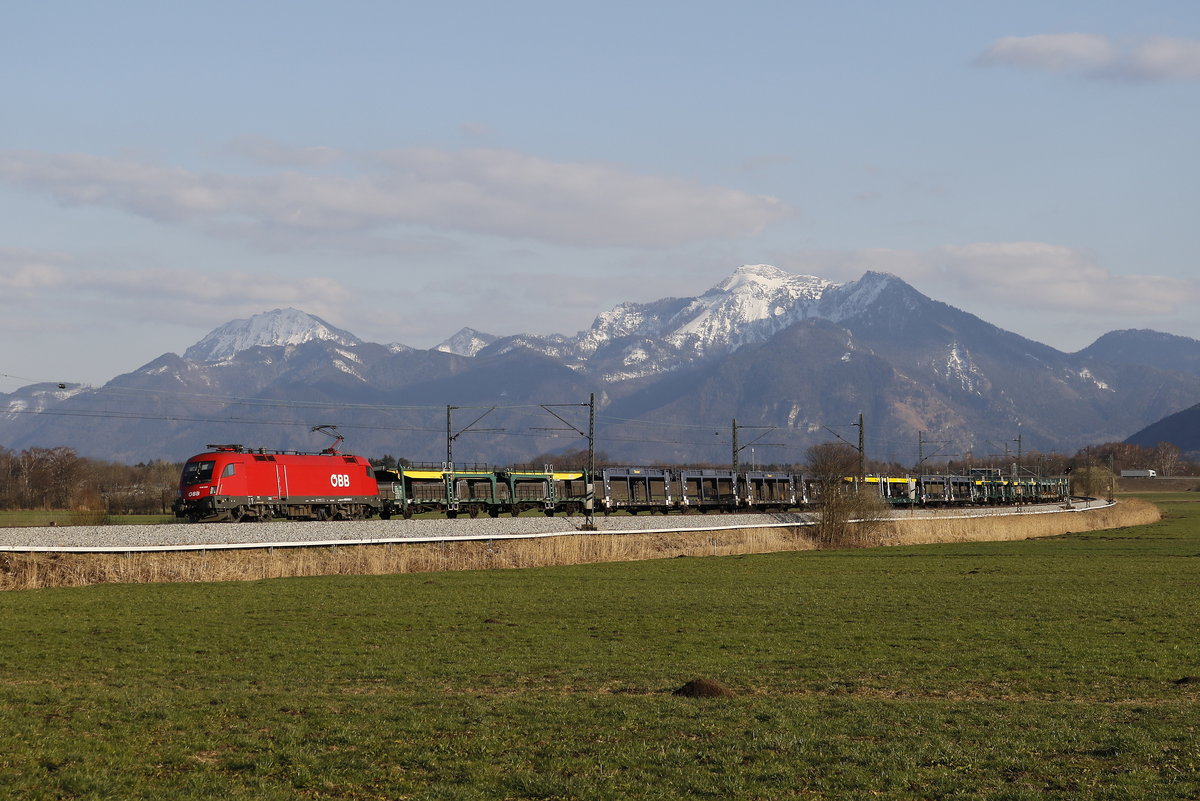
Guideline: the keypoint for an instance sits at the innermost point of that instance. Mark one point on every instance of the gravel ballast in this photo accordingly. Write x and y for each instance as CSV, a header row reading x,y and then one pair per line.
x,y
280,533
216,535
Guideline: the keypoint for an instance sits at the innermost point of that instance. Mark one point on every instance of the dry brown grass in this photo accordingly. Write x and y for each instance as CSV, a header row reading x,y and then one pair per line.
x,y
1129,512
20,571
37,570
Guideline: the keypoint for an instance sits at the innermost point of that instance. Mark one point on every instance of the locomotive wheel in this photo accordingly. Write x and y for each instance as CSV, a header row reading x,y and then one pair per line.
x,y
237,514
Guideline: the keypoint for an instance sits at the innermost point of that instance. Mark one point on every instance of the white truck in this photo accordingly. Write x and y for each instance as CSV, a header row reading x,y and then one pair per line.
x,y
1138,474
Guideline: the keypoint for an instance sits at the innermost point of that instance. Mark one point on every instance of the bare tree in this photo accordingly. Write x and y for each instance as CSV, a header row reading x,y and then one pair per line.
x,y
851,514
45,477
1166,459
58,478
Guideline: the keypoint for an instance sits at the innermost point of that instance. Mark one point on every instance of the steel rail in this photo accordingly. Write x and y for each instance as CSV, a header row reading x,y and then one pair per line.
x,y
798,522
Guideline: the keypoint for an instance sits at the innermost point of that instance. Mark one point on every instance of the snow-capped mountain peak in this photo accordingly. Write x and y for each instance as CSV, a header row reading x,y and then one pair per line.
x,y
860,297
467,342
277,327
765,280
754,294
754,303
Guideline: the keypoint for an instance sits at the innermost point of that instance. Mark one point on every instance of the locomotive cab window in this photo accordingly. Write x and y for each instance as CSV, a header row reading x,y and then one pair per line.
x,y
197,472
229,470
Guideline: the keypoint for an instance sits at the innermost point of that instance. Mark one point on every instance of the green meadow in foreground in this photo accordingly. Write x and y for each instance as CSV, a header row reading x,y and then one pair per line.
x,y
1055,668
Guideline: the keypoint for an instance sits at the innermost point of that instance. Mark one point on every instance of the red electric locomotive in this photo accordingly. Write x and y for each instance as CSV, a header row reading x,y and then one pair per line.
x,y
232,483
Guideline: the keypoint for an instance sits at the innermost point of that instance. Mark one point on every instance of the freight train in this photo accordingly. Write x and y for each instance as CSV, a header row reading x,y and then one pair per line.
x,y
230,483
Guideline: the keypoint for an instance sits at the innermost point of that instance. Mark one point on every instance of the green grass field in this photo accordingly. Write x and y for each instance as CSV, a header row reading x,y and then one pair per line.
x,y
1057,668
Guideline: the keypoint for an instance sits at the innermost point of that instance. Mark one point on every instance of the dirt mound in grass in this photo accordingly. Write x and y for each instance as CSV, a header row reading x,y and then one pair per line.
x,y
703,688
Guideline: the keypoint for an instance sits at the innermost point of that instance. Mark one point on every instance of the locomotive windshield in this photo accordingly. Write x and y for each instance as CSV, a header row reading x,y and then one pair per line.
x,y
197,473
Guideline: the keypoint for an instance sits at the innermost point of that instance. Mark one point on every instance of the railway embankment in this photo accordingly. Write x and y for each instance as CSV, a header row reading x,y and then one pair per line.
x,y
44,557
960,526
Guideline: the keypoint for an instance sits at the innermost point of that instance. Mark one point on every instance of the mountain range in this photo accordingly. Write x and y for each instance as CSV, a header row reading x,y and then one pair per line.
x,y
793,359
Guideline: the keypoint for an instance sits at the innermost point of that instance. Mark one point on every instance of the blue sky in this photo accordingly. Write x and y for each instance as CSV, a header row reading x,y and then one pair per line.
x,y
405,169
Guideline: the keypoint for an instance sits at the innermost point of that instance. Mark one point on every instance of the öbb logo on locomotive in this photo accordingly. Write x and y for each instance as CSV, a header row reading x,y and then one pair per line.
x,y
231,483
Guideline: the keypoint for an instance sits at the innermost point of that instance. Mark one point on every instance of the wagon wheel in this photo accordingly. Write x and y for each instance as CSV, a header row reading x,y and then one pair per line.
x,y
474,512
407,513
514,510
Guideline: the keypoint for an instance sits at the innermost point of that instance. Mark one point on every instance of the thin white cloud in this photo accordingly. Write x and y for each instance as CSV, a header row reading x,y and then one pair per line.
x,y
1066,52
218,289
496,192
22,271
1159,58
51,280
1056,278
1164,58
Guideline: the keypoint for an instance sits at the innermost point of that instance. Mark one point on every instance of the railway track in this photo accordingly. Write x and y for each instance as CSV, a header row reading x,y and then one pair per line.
x,y
291,534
